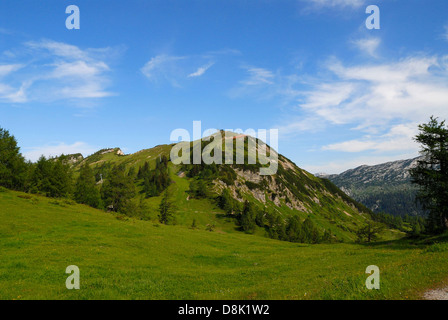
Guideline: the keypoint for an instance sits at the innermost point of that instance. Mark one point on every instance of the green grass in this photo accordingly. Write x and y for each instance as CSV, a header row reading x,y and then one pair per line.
x,y
133,259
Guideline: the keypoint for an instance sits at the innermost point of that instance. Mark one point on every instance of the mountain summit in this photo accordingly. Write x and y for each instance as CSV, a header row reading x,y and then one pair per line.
x,y
199,190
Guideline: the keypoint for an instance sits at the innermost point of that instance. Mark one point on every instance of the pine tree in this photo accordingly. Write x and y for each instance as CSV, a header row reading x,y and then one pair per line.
x,y
157,180
247,219
225,201
311,234
143,209
51,177
198,189
166,208
86,191
369,232
13,169
117,190
294,230
431,173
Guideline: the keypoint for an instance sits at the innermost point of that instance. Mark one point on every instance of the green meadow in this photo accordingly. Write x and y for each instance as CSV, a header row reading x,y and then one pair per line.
x,y
125,258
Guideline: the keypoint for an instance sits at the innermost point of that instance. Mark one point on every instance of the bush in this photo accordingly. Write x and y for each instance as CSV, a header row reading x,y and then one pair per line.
x,y
24,196
437,247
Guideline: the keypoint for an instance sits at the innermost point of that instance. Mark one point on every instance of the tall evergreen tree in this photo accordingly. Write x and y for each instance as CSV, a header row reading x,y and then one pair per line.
x,y
369,232
226,202
247,218
294,230
431,173
157,180
117,190
166,208
86,191
51,177
13,169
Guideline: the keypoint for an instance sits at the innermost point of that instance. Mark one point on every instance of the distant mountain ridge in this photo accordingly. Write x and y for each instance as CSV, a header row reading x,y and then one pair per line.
x,y
384,187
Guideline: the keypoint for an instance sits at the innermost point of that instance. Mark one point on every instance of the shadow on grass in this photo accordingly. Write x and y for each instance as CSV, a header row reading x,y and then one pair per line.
x,y
409,242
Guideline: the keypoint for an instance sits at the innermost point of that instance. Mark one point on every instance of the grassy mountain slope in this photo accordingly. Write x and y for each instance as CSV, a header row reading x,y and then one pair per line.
x,y
292,191
134,259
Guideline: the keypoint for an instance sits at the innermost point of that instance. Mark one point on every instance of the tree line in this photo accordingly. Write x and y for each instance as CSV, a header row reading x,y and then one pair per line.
x,y
53,177
248,217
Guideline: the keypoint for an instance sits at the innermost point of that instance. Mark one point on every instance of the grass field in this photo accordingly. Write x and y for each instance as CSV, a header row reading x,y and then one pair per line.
x,y
133,259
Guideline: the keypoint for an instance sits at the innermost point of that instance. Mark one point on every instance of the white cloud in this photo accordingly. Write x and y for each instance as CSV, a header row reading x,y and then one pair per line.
x,y
56,71
6,69
9,93
258,76
60,49
201,70
399,138
160,65
335,3
73,73
368,45
381,104
338,166
368,95
54,150
176,70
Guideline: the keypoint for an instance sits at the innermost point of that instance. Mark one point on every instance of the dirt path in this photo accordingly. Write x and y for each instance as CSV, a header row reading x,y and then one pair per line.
x,y
437,294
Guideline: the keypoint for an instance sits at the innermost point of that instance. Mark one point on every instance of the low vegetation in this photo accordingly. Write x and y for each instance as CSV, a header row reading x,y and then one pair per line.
x,y
134,259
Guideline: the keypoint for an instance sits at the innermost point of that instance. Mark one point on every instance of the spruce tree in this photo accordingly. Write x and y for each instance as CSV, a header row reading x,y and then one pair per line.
x,y
86,191
431,173
118,190
166,208
51,177
247,219
13,169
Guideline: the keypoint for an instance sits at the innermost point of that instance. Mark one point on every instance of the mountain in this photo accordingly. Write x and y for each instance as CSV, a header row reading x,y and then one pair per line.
x,y
290,192
385,187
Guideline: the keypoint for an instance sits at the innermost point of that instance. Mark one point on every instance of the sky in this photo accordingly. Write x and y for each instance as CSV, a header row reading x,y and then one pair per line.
x,y
340,94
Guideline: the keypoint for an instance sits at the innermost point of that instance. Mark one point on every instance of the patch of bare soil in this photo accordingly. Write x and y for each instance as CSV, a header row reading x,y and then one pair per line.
x,y
437,294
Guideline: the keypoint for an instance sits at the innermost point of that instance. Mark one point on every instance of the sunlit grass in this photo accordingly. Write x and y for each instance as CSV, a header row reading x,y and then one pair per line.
x,y
136,259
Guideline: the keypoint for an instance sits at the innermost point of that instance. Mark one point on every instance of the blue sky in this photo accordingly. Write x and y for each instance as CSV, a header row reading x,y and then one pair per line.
x,y
341,95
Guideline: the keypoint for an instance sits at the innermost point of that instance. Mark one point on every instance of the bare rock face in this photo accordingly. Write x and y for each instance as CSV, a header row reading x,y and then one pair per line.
x,y
116,150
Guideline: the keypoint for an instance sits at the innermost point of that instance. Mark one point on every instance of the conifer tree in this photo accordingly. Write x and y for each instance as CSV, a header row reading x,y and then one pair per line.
x,y
13,169
431,173
166,208
86,191
117,190
247,219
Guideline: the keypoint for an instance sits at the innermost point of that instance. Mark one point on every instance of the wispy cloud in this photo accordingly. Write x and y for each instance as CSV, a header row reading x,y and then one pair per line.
x,y
343,4
399,138
177,69
34,153
382,103
411,89
162,66
368,45
9,68
258,76
55,71
338,166
201,70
